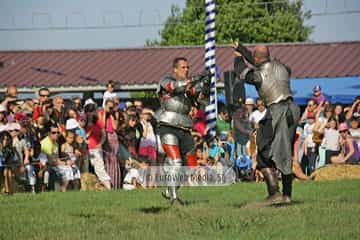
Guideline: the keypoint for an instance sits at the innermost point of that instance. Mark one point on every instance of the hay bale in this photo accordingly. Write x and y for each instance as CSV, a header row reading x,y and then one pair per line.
x,y
337,171
89,182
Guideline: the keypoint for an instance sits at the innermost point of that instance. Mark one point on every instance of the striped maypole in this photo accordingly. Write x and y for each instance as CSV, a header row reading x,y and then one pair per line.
x,y
210,64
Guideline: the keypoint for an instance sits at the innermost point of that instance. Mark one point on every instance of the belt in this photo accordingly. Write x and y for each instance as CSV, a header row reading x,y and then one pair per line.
x,y
287,100
174,126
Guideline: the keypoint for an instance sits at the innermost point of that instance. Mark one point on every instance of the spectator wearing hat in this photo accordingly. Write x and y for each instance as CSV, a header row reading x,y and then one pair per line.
x,y
89,105
309,146
318,96
71,124
349,152
122,106
250,105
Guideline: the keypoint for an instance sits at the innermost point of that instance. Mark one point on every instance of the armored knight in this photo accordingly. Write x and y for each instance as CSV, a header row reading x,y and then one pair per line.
x,y
176,94
276,134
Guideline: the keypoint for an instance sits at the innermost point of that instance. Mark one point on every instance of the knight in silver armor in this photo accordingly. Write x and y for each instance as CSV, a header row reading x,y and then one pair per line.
x,y
276,134
175,92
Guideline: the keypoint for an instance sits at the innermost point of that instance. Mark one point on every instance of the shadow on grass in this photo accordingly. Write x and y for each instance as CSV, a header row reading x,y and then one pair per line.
x,y
188,202
263,204
156,210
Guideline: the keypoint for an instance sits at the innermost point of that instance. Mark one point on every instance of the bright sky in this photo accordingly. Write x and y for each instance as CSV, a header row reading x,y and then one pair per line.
x,y
18,17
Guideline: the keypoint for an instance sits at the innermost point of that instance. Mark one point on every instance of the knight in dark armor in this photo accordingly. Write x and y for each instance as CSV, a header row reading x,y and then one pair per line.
x,y
177,93
276,133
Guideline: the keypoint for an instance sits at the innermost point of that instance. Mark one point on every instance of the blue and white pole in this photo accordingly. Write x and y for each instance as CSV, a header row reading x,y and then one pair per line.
x,y
210,64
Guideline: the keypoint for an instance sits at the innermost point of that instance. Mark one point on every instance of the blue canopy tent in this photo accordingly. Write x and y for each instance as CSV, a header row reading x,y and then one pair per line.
x,y
342,90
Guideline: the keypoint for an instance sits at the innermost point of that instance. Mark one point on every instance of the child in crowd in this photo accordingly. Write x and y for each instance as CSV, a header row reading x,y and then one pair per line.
x,y
81,145
68,153
133,178
355,130
309,147
331,140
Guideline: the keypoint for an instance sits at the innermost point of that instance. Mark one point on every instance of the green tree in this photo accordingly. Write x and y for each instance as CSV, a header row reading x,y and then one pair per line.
x,y
248,21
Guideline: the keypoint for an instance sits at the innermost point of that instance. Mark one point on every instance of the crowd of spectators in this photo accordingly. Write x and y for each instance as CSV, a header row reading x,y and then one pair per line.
x,y
47,143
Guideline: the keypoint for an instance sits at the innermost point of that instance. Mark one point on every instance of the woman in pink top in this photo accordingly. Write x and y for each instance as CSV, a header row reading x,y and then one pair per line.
x,y
349,151
108,121
199,118
96,138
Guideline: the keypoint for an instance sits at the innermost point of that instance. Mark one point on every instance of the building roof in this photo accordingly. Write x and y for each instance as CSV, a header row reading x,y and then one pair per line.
x,y
74,68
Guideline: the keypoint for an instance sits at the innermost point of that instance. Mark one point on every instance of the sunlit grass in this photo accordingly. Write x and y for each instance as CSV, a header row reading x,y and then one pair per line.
x,y
321,210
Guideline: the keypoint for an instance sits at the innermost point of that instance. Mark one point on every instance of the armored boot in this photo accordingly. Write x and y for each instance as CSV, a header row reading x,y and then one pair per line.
x,y
172,168
287,187
274,197
171,194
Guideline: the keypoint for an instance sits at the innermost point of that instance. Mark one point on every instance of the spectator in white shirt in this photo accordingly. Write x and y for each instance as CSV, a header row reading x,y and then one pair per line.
x,y
133,178
109,93
259,113
331,140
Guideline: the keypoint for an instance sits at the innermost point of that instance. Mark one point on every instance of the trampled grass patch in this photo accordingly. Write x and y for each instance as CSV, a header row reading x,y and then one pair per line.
x,y
321,210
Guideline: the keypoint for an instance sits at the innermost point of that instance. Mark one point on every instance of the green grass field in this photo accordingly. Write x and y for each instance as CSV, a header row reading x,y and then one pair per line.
x,y
321,210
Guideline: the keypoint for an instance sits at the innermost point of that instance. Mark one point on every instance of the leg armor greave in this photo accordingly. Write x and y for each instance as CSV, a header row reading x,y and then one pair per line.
x,y
173,163
30,174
